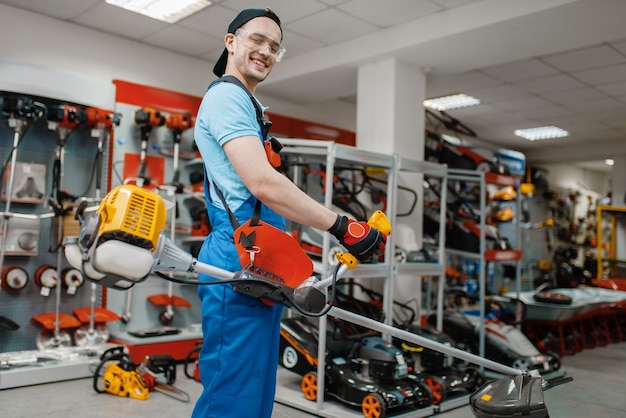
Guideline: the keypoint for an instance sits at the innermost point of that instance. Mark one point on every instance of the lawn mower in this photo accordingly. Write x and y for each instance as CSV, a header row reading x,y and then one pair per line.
x,y
121,243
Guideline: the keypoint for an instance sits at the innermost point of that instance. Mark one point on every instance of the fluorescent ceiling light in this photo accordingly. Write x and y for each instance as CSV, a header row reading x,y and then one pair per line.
x,y
455,101
543,132
169,11
609,161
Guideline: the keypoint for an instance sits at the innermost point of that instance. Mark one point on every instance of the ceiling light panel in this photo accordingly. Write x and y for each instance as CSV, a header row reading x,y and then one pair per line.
x,y
169,11
455,101
543,132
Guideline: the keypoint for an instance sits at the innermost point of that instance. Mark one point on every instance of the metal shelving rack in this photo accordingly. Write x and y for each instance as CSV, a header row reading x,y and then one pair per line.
x,y
331,154
426,269
484,255
611,219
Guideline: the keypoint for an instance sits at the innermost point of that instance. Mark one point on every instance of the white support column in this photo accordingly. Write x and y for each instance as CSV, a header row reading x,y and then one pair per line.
x,y
390,115
390,119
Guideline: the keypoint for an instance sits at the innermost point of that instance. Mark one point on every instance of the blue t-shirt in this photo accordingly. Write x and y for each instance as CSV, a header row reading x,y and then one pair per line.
x,y
226,113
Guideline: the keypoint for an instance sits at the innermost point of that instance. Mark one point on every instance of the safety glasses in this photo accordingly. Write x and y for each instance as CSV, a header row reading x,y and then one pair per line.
x,y
260,42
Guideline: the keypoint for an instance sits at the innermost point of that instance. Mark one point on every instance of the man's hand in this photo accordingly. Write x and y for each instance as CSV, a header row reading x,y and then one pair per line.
x,y
360,239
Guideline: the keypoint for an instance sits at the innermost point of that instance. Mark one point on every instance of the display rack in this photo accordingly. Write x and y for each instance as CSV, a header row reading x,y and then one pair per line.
x,y
482,181
612,267
331,154
432,269
143,308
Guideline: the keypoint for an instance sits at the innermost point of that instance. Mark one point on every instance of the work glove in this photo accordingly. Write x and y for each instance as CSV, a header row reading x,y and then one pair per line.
x,y
360,239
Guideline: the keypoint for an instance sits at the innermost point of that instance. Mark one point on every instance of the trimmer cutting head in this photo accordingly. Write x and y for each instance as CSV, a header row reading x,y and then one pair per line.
x,y
510,396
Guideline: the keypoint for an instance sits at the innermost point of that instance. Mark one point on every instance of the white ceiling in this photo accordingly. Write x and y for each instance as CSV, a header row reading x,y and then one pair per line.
x,y
530,62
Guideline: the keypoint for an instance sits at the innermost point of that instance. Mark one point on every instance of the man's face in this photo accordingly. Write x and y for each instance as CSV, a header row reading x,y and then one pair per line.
x,y
254,49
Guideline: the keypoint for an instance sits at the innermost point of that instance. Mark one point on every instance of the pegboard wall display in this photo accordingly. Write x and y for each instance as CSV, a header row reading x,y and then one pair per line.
x,y
153,147
54,155
59,156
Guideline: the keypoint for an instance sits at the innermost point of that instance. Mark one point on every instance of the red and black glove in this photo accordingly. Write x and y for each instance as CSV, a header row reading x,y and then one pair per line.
x,y
360,239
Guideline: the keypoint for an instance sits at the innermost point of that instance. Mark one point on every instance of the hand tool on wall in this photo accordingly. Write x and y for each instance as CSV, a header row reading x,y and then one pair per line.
x,y
145,119
177,123
63,119
93,330
21,112
101,122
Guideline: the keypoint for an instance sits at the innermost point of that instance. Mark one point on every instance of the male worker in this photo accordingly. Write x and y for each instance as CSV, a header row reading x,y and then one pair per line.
x,y
239,356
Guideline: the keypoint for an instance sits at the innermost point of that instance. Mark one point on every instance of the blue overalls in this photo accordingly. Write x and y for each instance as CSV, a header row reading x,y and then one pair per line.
x,y
239,357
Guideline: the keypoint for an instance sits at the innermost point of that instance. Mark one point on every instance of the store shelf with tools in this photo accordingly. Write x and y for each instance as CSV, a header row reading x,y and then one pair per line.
x,y
611,244
155,150
53,321
484,230
328,162
430,268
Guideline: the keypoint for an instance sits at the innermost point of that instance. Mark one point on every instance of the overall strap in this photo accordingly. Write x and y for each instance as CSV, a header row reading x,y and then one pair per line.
x,y
254,221
265,125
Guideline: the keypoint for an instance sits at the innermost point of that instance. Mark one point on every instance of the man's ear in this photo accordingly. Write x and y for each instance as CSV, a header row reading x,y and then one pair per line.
x,y
229,39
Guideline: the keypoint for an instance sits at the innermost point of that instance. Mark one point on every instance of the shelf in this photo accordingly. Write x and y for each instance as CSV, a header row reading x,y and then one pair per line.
x,y
33,367
610,261
473,235
426,167
178,345
490,255
339,152
422,269
333,155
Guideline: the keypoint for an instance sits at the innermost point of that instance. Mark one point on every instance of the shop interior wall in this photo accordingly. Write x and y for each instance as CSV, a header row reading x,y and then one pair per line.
x,y
38,144
562,183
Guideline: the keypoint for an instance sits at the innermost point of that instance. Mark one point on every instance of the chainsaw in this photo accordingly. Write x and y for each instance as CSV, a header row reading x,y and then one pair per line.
x,y
118,375
159,374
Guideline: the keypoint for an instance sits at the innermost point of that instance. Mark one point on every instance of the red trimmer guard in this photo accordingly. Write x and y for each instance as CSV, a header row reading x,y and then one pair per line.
x,y
275,251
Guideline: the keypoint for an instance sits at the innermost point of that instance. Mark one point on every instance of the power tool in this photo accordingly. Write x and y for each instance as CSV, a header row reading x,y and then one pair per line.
x,y
118,375
145,119
101,121
178,123
159,374
121,244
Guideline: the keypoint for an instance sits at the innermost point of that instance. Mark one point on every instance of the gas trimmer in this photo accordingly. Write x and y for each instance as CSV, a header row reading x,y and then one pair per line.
x,y
101,123
21,112
63,119
110,238
145,119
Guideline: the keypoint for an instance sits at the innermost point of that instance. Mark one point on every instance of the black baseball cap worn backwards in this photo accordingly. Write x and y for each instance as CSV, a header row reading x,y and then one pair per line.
x,y
241,19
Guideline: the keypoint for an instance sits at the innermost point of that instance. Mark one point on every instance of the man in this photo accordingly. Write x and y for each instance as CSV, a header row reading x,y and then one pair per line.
x,y
239,356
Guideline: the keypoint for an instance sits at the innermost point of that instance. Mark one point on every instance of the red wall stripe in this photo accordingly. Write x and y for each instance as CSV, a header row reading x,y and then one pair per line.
x,y
167,100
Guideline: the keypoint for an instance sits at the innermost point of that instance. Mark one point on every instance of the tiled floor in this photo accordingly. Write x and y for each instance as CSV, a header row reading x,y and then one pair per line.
x,y
598,390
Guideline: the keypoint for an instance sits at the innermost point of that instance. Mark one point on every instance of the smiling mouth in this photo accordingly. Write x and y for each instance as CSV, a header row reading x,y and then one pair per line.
x,y
258,63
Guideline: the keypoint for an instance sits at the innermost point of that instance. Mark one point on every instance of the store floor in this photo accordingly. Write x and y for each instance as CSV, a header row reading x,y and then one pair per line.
x,y
598,390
